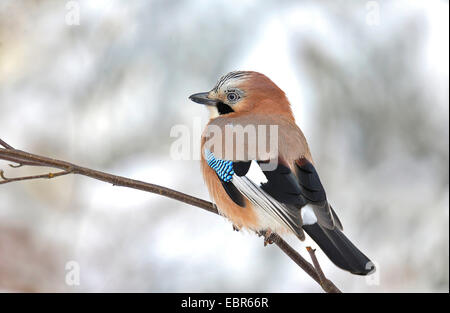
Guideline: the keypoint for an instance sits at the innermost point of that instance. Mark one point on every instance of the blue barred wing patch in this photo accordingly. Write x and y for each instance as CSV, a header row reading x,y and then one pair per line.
x,y
223,168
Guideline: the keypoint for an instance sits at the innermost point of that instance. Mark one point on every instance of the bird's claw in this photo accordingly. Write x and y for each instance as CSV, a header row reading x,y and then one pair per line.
x,y
267,237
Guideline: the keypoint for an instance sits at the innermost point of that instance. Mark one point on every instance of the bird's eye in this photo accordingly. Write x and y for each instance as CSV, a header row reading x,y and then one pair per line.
x,y
232,97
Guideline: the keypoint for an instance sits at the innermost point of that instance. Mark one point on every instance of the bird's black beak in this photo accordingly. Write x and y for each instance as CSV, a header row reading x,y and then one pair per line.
x,y
202,98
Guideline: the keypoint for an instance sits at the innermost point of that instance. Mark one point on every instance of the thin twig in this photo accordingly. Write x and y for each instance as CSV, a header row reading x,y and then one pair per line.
x,y
326,284
19,162
4,144
7,180
26,158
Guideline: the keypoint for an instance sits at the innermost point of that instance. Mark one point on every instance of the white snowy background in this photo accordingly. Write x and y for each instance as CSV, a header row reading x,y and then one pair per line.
x,y
368,82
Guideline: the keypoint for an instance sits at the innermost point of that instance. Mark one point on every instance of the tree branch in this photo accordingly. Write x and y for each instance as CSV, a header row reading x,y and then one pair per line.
x,y
8,153
324,282
4,144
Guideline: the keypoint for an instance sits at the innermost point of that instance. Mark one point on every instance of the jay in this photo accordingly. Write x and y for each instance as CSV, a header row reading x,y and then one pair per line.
x,y
273,191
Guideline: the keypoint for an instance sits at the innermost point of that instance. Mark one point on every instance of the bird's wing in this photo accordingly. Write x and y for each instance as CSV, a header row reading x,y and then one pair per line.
x,y
279,192
314,193
282,191
295,191
281,203
244,179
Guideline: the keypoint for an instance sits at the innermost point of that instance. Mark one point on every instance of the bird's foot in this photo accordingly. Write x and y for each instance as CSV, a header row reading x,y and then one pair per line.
x,y
236,228
266,234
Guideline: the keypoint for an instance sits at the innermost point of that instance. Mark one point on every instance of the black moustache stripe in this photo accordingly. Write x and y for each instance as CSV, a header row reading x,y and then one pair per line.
x,y
224,108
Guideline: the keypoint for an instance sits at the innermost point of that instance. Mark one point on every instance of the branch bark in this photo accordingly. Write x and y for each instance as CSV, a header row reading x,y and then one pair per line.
x,y
325,283
21,158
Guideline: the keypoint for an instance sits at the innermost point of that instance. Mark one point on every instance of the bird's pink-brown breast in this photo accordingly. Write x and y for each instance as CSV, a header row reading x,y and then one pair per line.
x,y
241,217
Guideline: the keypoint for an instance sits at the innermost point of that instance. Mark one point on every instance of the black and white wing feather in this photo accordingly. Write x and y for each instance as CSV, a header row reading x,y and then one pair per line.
x,y
251,185
287,198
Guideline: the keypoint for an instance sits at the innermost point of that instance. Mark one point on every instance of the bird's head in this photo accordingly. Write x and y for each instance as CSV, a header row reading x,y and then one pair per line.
x,y
244,91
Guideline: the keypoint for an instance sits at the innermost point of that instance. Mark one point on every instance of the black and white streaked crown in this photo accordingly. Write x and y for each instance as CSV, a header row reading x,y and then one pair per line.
x,y
235,75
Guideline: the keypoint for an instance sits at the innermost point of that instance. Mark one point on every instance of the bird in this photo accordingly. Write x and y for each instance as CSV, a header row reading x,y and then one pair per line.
x,y
268,190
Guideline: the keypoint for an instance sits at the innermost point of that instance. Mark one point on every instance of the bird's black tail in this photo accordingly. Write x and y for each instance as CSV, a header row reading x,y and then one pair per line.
x,y
340,250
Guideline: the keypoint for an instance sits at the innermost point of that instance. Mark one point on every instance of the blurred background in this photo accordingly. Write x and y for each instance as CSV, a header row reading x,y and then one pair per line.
x,y
101,84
